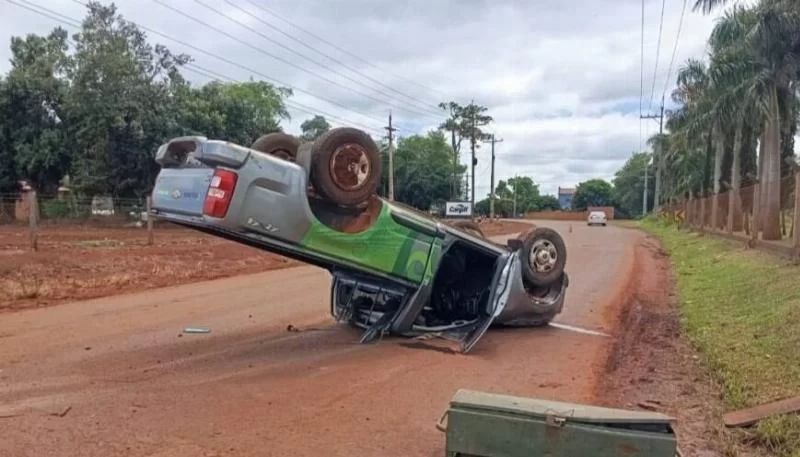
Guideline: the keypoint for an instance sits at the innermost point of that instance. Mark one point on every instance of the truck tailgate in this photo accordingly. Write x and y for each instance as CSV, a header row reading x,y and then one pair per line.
x,y
181,191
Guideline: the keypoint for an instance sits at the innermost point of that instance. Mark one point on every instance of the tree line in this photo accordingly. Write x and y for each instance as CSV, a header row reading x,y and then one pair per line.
x,y
736,115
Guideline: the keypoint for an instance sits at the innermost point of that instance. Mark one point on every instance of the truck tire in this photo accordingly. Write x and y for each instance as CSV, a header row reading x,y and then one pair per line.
x,y
345,166
470,227
277,144
544,256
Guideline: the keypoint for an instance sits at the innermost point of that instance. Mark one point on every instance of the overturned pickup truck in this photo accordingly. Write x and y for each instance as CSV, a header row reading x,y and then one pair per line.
x,y
395,270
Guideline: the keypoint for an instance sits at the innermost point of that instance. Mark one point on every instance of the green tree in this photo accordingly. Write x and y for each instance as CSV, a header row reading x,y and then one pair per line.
x,y
121,105
9,176
747,90
520,193
548,203
33,110
594,192
452,125
628,184
237,112
423,165
314,127
464,122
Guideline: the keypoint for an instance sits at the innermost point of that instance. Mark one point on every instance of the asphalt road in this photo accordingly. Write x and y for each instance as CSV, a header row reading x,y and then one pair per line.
x,y
113,377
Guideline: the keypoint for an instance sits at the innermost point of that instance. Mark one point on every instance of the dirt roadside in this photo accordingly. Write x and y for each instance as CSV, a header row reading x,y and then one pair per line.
x,y
83,262
652,365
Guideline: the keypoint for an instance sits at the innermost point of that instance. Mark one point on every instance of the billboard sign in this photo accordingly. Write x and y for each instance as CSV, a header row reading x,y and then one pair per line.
x,y
458,209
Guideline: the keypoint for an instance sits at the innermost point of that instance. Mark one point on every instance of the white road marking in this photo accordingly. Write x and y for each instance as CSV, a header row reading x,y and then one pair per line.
x,y
578,329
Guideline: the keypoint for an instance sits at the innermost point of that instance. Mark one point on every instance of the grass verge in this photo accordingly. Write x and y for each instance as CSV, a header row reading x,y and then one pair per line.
x,y
741,309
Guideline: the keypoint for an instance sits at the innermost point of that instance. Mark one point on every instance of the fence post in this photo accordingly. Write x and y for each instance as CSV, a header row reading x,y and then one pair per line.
x,y
148,206
703,214
687,211
796,217
756,212
33,213
729,221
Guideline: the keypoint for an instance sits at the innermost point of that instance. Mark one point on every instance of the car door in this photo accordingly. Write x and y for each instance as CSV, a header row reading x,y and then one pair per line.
x,y
505,265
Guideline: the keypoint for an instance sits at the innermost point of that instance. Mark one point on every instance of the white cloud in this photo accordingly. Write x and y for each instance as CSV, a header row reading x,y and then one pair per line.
x,y
562,79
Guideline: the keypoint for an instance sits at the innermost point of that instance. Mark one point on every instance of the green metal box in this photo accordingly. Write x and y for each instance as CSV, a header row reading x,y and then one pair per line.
x,y
491,425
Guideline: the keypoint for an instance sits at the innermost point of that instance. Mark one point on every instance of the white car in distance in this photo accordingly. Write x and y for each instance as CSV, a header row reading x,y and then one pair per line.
x,y
596,218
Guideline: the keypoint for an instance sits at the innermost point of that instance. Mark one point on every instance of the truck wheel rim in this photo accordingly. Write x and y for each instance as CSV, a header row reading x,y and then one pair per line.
x,y
349,167
543,256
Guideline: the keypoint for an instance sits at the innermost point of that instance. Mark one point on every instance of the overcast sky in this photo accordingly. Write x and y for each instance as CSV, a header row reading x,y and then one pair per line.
x,y
561,79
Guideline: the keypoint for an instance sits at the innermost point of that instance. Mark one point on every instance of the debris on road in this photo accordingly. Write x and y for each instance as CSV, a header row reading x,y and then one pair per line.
x,y
196,330
603,431
63,412
572,328
292,328
651,405
750,416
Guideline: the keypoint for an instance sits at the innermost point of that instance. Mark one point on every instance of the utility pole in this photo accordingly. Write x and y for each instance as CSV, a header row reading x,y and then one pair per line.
x,y
391,156
492,140
516,181
656,157
472,145
644,197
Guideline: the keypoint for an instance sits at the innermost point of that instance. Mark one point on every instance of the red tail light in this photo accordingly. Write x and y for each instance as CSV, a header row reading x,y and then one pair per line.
x,y
219,194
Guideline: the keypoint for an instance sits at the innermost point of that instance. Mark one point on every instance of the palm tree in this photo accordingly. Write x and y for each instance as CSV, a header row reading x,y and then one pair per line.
x,y
764,40
694,126
731,76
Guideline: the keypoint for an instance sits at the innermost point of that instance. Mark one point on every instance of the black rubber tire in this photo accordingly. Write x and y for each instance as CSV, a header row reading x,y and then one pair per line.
x,y
468,226
543,279
322,178
277,144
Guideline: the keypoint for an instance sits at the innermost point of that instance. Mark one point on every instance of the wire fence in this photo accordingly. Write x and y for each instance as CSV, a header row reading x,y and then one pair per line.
x,y
743,215
18,209
49,215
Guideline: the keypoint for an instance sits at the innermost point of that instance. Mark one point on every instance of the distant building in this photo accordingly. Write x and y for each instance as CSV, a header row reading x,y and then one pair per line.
x,y
565,195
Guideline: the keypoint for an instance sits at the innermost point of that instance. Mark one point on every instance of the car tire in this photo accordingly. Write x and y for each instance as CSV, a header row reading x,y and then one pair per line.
x,y
470,227
345,166
277,144
550,241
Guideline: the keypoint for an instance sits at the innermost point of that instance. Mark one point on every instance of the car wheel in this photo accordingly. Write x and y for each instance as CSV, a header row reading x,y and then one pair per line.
x,y
470,227
545,256
277,144
345,166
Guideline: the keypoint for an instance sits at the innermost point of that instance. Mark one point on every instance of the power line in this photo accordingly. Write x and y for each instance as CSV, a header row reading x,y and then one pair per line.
x,y
262,51
74,23
414,110
674,52
423,105
274,14
50,14
641,84
658,51
194,68
230,62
